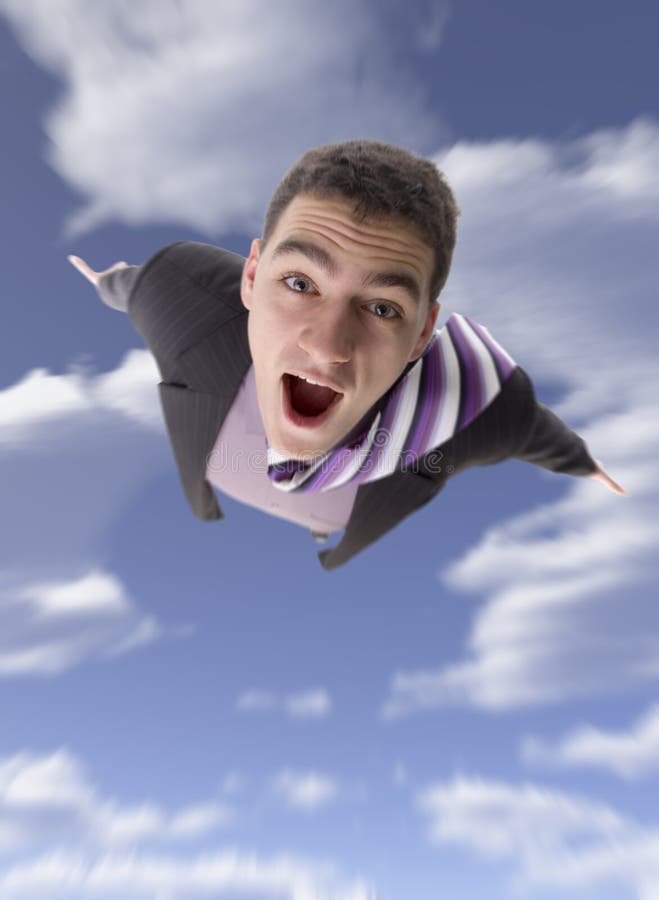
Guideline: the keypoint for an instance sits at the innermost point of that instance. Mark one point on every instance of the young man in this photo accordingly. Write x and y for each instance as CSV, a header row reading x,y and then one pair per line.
x,y
309,380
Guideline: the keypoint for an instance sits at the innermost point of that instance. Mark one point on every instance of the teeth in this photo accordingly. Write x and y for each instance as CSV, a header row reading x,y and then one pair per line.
x,y
312,382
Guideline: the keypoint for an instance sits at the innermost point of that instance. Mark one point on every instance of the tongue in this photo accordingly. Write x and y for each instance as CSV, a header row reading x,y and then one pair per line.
x,y
310,399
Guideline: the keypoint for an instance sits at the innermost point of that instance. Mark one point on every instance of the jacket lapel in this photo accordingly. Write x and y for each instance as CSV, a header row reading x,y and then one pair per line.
x,y
208,377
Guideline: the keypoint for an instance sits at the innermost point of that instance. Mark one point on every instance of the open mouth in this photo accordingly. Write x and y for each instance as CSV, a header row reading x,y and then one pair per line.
x,y
306,403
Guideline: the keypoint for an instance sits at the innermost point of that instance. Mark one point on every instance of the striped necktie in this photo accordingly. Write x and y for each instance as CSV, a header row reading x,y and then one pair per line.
x,y
459,373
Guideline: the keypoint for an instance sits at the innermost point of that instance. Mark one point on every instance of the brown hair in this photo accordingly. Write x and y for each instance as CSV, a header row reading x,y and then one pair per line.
x,y
383,180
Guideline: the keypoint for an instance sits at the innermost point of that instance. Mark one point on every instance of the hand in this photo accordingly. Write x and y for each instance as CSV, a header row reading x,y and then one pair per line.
x,y
89,273
601,475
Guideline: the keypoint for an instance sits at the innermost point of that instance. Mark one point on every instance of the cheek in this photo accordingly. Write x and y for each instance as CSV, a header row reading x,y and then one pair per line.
x,y
269,337
385,368
269,313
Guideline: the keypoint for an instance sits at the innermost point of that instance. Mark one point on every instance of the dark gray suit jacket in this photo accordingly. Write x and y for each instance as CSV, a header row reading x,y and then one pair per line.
x,y
185,302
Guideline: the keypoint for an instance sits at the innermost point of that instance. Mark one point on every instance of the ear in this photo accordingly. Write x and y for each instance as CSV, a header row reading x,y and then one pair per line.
x,y
249,273
424,337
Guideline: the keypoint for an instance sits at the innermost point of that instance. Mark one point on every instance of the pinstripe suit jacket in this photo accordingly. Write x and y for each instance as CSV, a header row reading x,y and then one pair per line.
x,y
185,302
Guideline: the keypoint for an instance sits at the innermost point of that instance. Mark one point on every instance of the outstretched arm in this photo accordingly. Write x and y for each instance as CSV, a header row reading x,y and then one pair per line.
x,y
113,285
550,443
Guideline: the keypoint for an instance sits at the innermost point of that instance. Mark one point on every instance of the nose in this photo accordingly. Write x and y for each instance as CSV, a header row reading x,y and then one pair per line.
x,y
328,337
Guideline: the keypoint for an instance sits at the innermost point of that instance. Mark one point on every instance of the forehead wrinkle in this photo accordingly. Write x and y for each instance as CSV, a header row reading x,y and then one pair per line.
x,y
357,233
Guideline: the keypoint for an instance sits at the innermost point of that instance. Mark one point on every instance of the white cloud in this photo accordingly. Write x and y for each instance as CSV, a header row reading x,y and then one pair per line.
x,y
51,798
166,106
57,780
44,405
96,844
553,258
553,839
305,790
61,437
314,703
129,390
630,755
51,626
94,594
70,875
625,165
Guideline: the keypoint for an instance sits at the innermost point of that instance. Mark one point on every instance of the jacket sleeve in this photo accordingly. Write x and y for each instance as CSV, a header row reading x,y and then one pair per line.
x,y
548,442
115,287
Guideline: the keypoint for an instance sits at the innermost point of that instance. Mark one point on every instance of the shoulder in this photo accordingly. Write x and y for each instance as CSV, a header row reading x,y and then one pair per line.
x,y
208,266
196,256
185,268
183,293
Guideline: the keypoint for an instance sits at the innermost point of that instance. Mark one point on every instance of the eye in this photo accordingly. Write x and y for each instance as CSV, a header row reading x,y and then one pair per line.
x,y
298,278
388,307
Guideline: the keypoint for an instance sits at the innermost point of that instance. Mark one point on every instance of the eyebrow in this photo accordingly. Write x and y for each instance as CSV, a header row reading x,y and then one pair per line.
x,y
326,261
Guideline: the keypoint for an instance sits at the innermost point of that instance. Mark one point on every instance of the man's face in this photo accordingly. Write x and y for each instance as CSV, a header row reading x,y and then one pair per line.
x,y
328,323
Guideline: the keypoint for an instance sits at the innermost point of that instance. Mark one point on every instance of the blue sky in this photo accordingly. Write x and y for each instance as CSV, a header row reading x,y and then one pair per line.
x,y
469,707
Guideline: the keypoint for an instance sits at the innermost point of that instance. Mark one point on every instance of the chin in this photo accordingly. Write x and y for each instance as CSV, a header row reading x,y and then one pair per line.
x,y
294,451
302,450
